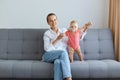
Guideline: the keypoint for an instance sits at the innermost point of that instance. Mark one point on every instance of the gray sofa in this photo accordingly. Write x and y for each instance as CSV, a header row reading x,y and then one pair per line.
x,y
21,52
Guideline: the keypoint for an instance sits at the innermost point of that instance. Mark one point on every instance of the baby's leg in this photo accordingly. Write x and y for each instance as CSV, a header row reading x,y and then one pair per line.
x,y
78,50
71,52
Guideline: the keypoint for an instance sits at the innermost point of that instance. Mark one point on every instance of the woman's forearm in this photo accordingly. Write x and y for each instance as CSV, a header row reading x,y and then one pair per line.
x,y
58,38
54,42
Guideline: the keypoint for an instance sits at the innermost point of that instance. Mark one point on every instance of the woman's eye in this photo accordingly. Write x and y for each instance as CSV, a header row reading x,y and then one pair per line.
x,y
54,19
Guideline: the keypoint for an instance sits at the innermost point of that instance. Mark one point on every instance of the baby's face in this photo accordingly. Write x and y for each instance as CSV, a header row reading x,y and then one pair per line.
x,y
73,27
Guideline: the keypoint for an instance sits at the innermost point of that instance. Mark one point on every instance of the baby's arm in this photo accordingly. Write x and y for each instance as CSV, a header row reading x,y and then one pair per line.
x,y
86,26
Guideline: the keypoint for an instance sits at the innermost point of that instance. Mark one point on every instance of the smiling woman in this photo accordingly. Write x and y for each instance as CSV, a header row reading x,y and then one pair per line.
x,y
114,23
55,51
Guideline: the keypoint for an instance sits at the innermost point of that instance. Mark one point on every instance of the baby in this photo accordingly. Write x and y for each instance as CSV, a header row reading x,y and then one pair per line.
x,y
74,35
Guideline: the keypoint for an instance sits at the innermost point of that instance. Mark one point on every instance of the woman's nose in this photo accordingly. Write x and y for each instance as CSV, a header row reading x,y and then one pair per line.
x,y
53,21
72,26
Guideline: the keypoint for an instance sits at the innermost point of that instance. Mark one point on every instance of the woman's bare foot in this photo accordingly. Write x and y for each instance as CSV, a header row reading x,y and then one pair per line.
x,y
69,78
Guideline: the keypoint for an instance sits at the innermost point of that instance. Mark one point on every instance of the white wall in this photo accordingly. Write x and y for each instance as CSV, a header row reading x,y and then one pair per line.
x,y
32,13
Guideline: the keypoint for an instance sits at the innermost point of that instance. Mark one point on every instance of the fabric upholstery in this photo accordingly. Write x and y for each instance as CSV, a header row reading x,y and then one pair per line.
x,y
96,69
21,44
28,44
97,44
21,52
25,69
39,69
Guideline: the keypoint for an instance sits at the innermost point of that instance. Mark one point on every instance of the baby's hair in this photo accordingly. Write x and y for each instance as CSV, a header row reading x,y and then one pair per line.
x,y
74,21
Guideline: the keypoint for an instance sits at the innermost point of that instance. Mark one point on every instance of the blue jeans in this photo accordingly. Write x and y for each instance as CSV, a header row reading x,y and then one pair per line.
x,y
61,61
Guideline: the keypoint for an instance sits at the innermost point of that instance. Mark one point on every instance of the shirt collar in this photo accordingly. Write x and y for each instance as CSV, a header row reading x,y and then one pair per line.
x,y
53,31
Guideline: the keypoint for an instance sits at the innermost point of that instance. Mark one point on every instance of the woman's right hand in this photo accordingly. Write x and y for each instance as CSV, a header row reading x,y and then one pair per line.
x,y
58,38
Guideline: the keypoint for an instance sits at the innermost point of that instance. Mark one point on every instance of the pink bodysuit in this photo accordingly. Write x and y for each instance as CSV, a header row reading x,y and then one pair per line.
x,y
73,38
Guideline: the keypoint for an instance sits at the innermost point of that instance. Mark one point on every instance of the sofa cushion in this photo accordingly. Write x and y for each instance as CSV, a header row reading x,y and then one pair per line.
x,y
96,69
21,44
27,44
97,45
39,69
25,69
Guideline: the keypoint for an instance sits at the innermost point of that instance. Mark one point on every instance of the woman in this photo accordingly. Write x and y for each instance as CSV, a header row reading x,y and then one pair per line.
x,y
56,50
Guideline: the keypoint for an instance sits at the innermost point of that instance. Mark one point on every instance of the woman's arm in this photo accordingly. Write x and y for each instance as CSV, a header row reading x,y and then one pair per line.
x,y
48,45
58,38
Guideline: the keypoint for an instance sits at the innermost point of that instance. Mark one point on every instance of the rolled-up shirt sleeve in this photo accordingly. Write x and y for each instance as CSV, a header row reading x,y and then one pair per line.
x,y
47,43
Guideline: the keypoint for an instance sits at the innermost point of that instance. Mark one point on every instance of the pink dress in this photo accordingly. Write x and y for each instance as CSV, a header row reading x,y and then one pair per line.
x,y
73,38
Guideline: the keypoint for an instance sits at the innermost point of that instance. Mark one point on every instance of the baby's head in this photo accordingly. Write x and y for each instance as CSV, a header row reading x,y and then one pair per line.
x,y
73,26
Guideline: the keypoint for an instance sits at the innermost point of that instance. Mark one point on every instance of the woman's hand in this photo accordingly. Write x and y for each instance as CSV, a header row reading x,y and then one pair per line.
x,y
58,38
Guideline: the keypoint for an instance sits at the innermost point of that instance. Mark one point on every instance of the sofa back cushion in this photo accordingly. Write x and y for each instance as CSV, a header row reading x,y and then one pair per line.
x,y
97,44
28,44
21,43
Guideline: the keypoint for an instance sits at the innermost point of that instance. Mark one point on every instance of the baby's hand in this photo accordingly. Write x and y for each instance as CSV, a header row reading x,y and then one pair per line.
x,y
88,24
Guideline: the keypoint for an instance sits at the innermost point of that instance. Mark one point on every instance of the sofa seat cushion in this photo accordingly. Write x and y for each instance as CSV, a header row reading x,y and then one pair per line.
x,y
96,69
39,69
25,69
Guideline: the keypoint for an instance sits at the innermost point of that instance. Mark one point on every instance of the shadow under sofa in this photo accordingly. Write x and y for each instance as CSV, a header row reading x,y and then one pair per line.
x,y
21,53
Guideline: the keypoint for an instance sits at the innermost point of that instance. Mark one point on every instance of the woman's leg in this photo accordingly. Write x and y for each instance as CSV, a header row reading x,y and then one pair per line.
x,y
57,70
63,61
51,56
65,65
58,75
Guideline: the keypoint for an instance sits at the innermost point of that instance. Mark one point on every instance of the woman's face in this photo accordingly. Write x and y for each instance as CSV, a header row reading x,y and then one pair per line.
x,y
52,21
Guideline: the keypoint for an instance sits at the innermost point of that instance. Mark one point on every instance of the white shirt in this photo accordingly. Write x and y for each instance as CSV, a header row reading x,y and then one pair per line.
x,y
50,36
